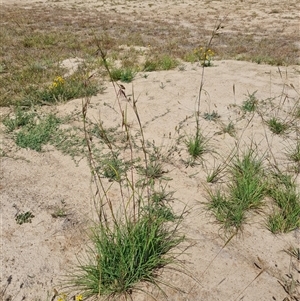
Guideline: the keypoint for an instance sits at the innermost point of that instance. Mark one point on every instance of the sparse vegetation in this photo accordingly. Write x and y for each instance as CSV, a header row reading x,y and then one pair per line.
x,y
137,233
36,135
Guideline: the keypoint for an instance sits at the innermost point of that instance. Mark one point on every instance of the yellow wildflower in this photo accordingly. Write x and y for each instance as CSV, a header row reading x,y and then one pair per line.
x,y
62,297
59,80
78,298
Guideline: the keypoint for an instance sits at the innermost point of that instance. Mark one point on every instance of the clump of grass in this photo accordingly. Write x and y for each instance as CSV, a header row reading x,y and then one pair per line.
x,y
36,135
125,75
245,191
294,252
214,175
250,104
197,145
127,254
167,63
164,62
277,126
286,217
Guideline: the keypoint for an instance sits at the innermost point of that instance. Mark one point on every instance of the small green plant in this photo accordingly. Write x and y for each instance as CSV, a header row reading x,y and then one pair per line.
x,y
69,141
294,252
21,118
213,116
214,175
286,217
150,65
229,129
22,218
277,126
197,145
152,172
167,63
164,62
294,155
245,191
112,167
125,75
60,210
250,104
36,135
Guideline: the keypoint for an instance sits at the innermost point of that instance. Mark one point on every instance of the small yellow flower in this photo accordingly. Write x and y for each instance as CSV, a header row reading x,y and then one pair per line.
x,y
59,80
78,298
62,297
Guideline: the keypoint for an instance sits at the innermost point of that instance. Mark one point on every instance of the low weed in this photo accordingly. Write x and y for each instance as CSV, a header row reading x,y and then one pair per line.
x,y
294,252
112,167
293,154
152,172
289,281
166,62
60,210
26,217
213,116
70,141
277,126
36,135
229,129
21,118
250,104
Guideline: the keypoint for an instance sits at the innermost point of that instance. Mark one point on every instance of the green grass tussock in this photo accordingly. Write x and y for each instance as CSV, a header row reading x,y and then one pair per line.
x,y
125,255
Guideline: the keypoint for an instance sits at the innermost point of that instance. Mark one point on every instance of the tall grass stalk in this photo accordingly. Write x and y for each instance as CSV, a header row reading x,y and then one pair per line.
x,y
134,235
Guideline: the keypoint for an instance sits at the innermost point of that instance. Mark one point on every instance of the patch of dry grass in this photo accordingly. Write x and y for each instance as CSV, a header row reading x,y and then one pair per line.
x,y
35,40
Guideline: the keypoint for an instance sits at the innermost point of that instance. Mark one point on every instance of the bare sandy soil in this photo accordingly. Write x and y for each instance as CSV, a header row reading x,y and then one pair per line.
x,y
36,255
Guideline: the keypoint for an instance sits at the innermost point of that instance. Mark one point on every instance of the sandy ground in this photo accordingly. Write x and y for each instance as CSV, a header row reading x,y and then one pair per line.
x,y
36,255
